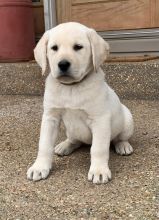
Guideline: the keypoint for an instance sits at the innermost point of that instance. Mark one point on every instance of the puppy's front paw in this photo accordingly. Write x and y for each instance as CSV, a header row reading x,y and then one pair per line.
x,y
99,174
39,170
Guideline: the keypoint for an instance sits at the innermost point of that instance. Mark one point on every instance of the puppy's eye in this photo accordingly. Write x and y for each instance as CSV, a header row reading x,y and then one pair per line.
x,y
55,47
77,47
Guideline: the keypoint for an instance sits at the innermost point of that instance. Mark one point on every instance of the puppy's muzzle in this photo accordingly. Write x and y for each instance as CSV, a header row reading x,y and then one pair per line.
x,y
64,65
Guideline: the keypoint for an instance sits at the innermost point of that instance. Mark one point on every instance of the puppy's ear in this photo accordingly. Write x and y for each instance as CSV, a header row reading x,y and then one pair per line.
x,y
40,52
99,47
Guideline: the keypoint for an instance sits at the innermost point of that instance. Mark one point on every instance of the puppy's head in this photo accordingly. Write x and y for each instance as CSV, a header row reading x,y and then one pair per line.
x,y
72,50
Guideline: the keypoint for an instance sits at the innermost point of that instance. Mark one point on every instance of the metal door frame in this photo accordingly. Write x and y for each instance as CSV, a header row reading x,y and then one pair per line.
x,y
138,41
50,14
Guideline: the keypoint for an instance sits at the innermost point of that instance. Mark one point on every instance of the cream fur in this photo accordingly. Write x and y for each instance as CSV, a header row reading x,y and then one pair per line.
x,y
89,108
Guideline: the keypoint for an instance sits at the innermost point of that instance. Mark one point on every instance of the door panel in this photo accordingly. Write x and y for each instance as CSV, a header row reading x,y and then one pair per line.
x,y
110,14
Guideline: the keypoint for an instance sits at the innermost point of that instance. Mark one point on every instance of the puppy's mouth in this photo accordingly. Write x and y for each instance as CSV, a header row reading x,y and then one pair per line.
x,y
66,79
69,80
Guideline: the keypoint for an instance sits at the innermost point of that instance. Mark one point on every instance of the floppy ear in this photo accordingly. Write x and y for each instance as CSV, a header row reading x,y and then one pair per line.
x,y
41,50
99,47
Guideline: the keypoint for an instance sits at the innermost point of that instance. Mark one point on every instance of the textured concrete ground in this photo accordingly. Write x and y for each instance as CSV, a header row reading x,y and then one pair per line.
x,y
66,194
130,80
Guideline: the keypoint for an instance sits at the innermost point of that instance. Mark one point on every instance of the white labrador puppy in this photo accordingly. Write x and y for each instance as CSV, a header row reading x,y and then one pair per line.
x,y
77,94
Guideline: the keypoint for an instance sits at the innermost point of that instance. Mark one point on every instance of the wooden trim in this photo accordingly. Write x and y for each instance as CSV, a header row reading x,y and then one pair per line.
x,y
81,2
154,13
63,9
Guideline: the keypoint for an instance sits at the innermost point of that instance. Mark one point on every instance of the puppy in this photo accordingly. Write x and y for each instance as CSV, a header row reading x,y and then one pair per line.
x,y
77,94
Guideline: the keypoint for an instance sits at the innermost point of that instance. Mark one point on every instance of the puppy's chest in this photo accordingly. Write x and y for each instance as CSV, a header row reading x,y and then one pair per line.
x,y
72,116
77,124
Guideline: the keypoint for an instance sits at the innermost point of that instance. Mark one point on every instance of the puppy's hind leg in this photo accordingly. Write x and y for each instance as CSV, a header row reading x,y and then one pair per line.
x,y
122,146
66,147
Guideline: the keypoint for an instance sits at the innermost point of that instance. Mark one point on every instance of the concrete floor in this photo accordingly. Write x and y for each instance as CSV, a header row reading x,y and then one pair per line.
x,y
66,194
130,80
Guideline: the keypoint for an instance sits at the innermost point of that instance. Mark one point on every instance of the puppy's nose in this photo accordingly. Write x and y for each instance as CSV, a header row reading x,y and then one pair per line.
x,y
64,65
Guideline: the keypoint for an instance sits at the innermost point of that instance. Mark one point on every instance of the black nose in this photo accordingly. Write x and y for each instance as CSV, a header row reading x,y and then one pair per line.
x,y
64,65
